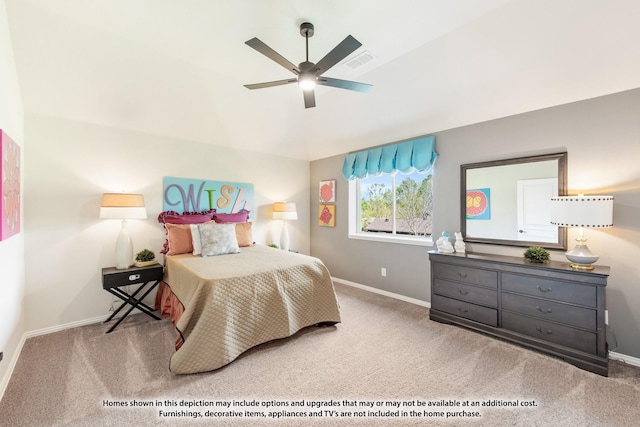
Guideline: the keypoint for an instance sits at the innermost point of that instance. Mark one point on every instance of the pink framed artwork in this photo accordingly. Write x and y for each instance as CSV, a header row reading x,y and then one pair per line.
x,y
327,191
9,187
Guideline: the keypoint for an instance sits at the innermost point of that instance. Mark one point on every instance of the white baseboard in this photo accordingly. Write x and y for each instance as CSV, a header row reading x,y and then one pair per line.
x,y
381,292
630,360
70,325
12,365
44,331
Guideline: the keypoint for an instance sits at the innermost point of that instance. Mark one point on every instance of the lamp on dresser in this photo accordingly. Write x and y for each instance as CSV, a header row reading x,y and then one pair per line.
x,y
286,212
582,211
123,206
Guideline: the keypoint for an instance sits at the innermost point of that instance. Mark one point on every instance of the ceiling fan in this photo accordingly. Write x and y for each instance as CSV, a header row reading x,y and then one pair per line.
x,y
309,74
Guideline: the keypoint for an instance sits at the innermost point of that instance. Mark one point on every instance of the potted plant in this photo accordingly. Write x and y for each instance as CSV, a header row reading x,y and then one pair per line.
x,y
144,258
536,254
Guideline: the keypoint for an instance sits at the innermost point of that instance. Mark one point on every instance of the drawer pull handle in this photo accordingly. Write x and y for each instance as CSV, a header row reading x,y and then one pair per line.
x,y
542,310
462,274
543,290
548,331
462,310
463,292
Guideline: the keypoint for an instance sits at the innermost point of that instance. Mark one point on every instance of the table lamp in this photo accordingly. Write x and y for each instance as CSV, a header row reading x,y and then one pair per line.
x,y
123,206
582,211
286,212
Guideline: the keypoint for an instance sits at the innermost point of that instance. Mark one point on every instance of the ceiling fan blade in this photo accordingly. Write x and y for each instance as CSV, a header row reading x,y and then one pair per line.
x,y
344,49
272,54
344,84
270,84
309,98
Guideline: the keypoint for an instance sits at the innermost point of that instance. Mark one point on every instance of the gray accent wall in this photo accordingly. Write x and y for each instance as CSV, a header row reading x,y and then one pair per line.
x,y
602,139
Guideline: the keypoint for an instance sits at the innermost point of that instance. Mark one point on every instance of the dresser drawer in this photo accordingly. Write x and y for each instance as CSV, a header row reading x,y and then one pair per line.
x,y
552,332
112,277
485,315
473,276
469,293
551,289
581,317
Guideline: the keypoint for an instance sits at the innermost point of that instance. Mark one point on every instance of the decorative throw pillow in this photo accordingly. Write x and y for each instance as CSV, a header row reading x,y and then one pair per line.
x,y
173,217
179,239
218,239
244,234
242,216
195,237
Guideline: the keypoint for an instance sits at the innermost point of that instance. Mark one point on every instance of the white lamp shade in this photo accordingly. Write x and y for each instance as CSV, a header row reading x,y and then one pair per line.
x,y
122,206
582,211
284,210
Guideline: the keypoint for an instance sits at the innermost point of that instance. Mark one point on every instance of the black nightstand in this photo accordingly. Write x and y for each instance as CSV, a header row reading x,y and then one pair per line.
x,y
113,279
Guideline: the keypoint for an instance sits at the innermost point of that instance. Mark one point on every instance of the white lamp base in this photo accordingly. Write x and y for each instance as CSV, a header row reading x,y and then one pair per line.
x,y
284,236
124,248
580,256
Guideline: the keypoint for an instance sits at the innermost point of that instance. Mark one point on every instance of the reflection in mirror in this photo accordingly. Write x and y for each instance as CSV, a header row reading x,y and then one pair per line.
x,y
508,202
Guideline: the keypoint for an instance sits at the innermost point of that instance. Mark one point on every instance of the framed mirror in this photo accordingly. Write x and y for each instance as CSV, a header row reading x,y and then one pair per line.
x,y
508,202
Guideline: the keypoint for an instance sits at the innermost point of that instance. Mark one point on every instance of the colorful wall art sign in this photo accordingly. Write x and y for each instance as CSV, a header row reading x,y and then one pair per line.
x,y
197,195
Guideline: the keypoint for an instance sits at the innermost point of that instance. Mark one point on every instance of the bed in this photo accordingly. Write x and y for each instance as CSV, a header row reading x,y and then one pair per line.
x,y
224,305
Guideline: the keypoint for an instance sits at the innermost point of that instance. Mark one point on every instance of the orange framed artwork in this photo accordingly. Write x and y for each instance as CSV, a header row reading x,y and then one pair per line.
x,y
327,215
9,187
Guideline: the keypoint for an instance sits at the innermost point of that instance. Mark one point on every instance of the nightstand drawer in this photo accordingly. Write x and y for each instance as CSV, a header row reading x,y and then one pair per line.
x,y
473,276
551,289
485,315
549,310
559,334
112,277
469,293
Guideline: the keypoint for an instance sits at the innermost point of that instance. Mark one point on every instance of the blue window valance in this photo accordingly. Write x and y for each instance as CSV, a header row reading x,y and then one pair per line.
x,y
406,157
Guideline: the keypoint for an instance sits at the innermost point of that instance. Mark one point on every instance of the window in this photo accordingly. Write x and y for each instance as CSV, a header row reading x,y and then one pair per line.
x,y
395,207
390,191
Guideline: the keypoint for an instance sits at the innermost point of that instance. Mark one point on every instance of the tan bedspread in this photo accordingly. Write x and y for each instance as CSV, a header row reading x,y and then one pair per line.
x,y
237,301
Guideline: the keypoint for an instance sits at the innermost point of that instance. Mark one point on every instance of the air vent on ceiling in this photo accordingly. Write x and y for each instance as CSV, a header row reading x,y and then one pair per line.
x,y
360,60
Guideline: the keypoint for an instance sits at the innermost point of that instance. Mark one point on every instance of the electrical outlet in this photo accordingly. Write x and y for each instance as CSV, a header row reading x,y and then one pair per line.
x,y
383,272
606,317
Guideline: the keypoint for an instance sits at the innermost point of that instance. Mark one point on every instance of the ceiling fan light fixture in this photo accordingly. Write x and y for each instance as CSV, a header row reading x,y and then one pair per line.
x,y
307,81
310,75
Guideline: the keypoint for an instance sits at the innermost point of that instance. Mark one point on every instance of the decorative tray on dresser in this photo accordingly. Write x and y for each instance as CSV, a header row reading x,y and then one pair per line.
x,y
549,307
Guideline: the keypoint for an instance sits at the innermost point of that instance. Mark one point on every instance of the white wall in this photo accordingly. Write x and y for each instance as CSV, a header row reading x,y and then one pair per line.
x,y
71,164
12,279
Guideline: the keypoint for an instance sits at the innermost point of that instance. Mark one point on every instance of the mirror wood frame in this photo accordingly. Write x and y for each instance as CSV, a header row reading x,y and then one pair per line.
x,y
561,158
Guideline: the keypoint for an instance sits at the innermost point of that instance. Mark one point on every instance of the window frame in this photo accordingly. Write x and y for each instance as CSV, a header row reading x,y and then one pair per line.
x,y
354,221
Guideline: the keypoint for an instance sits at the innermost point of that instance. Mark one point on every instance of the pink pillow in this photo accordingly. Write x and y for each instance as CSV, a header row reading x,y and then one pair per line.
x,y
179,238
172,217
244,234
242,216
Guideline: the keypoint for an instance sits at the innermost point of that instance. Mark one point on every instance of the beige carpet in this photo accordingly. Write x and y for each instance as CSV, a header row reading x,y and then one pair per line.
x,y
385,353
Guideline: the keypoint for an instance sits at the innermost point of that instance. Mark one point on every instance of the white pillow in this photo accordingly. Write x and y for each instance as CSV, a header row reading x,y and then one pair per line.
x,y
218,239
195,239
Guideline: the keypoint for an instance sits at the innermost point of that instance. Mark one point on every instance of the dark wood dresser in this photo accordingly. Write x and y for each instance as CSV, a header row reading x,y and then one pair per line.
x,y
549,307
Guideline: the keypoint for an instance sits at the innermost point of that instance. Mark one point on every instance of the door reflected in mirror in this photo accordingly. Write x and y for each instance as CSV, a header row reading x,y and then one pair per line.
x,y
508,201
